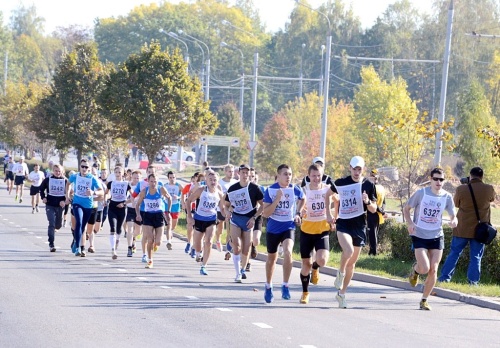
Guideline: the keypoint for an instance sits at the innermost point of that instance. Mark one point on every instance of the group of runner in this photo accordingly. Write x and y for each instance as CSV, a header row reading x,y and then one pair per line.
x,y
149,208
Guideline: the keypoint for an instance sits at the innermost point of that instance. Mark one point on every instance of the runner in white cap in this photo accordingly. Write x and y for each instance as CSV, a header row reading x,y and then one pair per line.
x,y
356,194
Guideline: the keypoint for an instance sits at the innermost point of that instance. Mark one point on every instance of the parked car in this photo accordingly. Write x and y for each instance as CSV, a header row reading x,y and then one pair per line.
x,y
169,155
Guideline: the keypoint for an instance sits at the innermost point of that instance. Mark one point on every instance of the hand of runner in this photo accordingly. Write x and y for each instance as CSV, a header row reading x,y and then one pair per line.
x,y
279,194
411,227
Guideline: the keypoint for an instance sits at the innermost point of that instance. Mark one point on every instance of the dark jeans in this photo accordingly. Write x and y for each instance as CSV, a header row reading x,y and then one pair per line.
x,y
82,216
373,225
116,217
54,216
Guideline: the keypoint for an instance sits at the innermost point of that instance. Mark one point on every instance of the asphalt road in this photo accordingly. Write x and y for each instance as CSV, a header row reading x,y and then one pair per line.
x,y
59,300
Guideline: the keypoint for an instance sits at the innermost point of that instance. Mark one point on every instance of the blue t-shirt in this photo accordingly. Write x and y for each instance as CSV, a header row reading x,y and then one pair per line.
x,y
282,218
141,186
81,184
153,203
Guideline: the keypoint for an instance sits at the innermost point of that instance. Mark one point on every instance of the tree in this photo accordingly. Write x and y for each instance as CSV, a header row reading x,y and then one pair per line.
x,y
16,112
70,113
474,113
153,101
230,125
277,145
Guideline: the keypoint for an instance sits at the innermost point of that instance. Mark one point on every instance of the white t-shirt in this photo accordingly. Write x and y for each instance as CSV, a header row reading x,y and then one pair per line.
x,y
36,178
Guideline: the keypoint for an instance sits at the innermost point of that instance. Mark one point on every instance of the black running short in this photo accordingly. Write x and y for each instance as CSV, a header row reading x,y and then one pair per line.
x,y
273,240
34,190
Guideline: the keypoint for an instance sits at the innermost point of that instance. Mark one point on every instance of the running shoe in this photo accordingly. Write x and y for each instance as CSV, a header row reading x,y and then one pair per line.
x,y
268,295
15,199
64,223
229,247
78,253
198,258
227,256
138,237
144,258
339,281
315,276
238,278
82,252
243,274
424,305
285,292
74,249
254,252
413,277
52,249
218,244
193,253
304,299
155,248
36,208
203,270
20,200
129,252
116,243
113,254
341,299
91,249
149,264
186,249
33,211
134,249
248,268
169,246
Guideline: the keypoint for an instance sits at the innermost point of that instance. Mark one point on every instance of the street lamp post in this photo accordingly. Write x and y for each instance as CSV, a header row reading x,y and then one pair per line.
x,y
242,90
176,37
207,63
322,76
324,120
301,69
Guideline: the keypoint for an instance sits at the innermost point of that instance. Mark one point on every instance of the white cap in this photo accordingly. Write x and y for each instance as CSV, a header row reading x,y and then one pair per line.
x,y
357,161
318,159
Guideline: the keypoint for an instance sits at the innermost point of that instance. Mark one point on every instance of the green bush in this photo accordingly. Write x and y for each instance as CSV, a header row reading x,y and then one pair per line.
x,y
394,237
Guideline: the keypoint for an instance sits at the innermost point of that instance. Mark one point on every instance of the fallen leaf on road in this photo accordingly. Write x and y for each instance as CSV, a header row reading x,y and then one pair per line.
x,y
255,290
383,297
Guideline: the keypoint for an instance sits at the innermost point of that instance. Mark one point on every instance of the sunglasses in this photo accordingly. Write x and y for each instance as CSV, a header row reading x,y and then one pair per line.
x,y
85,167
438,179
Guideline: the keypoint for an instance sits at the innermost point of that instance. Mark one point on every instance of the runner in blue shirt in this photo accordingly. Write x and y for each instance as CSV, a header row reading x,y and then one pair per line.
x,y
86,188
283,202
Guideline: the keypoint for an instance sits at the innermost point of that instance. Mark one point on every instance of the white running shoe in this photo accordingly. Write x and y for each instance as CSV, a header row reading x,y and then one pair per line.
x,y
339,281
341,299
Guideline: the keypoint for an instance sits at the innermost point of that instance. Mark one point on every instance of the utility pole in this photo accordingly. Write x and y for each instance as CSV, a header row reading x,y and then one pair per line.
x,y
444,85
5,70
254,103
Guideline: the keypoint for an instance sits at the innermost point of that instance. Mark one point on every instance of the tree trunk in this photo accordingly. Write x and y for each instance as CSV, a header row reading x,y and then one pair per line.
x,y
62,156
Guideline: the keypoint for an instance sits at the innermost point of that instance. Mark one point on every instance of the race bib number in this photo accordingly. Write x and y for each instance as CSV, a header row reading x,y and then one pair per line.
x,y
82,185
57,187
152,205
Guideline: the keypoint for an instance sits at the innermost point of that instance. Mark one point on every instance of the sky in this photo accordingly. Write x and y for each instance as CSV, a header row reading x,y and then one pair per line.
x,y
274,13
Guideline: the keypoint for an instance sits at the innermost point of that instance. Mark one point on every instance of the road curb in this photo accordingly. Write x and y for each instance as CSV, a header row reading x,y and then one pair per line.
x,y
373,279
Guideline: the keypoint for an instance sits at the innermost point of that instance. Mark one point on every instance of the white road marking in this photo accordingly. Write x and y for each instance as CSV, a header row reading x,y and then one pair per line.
x,y
263,325
191,297
31,232
24,228
165,287
307,346
121,270
104,264
38,237
46,242
18,225
5,219
224,309
10,222
142,278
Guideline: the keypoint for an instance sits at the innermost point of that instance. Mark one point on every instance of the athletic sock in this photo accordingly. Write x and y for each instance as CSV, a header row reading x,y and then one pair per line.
x,y
304,279
236,261
315,265
112,240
